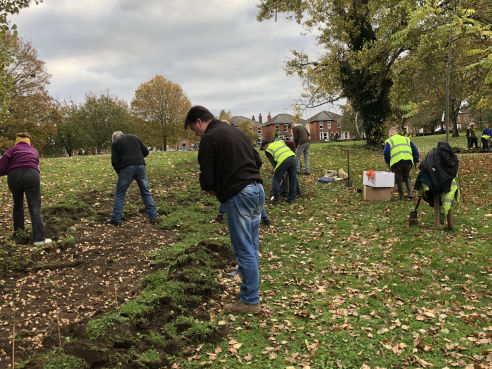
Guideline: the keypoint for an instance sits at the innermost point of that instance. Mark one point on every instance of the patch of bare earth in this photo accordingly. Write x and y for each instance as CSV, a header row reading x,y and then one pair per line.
x,y
67,288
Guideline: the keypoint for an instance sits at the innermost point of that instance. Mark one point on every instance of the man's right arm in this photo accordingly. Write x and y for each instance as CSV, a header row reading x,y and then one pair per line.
x,y
270,159
258,161
115,160
387,153
4,164
145,150
207,169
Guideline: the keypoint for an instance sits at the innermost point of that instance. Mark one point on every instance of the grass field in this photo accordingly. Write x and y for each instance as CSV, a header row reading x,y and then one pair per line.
x,y
345,283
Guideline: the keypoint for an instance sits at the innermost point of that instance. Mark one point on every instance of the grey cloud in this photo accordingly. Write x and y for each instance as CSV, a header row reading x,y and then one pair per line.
x,y
216,50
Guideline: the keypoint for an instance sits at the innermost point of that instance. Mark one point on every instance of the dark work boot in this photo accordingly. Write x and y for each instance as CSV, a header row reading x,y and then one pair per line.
x,y
409,188
400,190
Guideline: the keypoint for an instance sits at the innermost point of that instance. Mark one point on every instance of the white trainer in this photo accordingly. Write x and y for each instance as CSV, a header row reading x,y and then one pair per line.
x,y
46,241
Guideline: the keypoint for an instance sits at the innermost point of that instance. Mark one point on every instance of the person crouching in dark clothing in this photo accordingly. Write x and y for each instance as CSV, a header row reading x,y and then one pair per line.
x,y
284,161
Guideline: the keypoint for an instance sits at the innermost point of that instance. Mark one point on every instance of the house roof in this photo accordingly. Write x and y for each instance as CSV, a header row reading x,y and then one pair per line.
x,y
239,119
324,115
285,119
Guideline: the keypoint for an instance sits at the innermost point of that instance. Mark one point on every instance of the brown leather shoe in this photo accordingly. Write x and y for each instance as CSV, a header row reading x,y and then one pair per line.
x,y
242,308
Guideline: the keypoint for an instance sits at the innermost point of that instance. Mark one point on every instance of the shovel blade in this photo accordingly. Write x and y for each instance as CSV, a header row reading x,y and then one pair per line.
x,y
413,220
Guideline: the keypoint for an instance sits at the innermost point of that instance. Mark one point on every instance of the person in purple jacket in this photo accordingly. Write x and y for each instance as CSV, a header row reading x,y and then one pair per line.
x,y
21,165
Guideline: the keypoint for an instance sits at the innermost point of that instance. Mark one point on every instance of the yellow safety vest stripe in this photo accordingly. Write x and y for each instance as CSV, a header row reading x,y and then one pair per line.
x,y
451,199
280,151
400,149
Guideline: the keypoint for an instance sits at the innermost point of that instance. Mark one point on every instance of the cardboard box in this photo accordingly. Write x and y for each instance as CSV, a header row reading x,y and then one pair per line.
x,y
381,179
378,193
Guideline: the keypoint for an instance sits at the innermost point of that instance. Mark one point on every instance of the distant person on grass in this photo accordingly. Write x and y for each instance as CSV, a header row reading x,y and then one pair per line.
x,y
468,137
400,154
303,145
473,137
284,183
486,136
21,165
229,170
127,157
283,161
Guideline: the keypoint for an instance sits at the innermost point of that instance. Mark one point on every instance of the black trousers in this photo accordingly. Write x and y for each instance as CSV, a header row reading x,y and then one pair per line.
x,y
485,143
27,181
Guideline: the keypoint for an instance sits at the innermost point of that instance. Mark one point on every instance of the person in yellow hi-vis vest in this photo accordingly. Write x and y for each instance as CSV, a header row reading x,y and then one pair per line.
x,y
486,135
438,178
285,162
400,154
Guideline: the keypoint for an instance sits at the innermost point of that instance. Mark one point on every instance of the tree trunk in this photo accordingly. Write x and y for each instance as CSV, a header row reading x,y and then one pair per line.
x,y
165,143
454,119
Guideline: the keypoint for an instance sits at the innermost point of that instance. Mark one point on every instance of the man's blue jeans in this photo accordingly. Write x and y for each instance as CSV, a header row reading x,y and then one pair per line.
x,y
300,150
287,166
222,211
243,219
125,178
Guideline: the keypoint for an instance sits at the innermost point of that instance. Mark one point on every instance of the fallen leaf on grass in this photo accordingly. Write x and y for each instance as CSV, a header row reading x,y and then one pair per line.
x,y
422,362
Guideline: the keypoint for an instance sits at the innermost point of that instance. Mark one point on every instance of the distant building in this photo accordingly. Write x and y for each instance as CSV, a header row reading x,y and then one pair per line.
x,y
322,127
325,126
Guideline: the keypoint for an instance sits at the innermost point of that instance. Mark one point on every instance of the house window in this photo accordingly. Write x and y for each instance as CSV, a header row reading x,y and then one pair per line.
x,y
259,130
328,125
286,127
321,126
276,127
338,125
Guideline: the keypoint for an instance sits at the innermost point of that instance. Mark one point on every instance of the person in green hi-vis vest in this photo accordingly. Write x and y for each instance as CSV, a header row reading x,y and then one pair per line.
x,y
400,154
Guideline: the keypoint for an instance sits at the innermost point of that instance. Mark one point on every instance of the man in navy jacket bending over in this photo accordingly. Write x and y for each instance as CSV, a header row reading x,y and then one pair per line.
x,y
127,158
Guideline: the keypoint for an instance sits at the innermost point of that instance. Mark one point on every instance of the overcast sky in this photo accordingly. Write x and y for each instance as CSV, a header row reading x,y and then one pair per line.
x,y
216,50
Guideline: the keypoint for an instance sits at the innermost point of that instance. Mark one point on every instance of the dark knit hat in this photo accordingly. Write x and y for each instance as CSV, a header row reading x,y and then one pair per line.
x,y
264,142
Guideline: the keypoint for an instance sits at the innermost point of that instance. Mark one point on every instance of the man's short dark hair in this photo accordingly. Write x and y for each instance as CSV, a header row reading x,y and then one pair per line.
x,y
198,112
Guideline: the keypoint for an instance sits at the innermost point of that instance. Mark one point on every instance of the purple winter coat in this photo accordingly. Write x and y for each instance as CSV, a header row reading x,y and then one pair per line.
x,y
21,155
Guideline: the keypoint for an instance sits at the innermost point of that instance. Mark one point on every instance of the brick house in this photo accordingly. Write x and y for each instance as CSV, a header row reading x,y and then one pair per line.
x,y
279,126
325,126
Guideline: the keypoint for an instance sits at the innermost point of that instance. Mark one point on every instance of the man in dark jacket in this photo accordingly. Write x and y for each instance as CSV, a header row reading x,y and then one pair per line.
x,y
302,144
229,170
127,158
